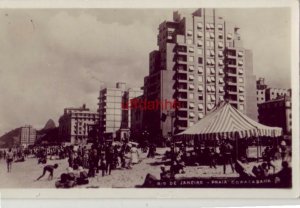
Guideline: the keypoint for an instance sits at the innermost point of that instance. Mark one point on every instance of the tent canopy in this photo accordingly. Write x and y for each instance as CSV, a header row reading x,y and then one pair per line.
x,y
225,121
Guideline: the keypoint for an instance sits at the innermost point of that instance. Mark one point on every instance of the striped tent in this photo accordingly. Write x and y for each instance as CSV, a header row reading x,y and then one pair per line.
x,y
226,122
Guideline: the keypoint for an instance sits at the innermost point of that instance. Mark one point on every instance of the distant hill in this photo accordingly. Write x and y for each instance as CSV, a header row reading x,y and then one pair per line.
x,y
10,138
50,124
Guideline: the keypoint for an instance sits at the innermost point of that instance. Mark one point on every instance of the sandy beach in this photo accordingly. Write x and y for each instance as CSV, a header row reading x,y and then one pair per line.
x,y
24,174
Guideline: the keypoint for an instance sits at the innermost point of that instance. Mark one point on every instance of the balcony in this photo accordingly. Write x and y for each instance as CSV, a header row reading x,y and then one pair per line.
x,y
181,59
180,71
182,79
181,89
230,56
181,50
182,108
231,83
231,92
181,128
230,74
182,98
182,118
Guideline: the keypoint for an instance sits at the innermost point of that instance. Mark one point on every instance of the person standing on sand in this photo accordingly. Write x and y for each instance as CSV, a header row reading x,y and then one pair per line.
x,y
9,159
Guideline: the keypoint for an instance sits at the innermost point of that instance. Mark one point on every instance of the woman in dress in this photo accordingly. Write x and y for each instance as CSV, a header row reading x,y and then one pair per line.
x,y
134,155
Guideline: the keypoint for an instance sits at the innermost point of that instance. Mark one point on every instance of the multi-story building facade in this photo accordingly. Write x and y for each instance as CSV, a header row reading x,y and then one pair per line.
x,y
136,123
200,61
27,135
75,123
277,112
261,90
274,93
265,93
115,110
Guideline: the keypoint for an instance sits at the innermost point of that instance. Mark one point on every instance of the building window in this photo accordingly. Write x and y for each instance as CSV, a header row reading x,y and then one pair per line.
x,y
189,32
200,34
212,70
220,27
241,98
200,106
200,69
191,49
191,77
221,71
200,79
221,80
241,71
191,105
191,95
199,25
200,88
189,41
241,89
229,36
220,35
191,58
221,89
200,96
241,107
241,80
191,68
220,44
200,51
208,88
191,123
200,60
191,86
213,88
191,115
240,53
201,115
200,43
221,98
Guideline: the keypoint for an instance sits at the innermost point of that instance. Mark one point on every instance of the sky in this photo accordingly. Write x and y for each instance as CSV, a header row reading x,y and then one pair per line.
x,y
51,59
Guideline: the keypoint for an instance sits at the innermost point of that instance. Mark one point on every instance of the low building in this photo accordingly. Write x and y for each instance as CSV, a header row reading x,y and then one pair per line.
x,y
265,93
75,123
27,136
278,113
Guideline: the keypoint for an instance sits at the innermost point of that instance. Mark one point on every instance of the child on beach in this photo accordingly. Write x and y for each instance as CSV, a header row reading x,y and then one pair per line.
x,y
50,169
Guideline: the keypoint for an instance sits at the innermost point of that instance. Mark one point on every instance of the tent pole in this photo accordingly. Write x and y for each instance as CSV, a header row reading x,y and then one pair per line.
x,y
236,147
257,149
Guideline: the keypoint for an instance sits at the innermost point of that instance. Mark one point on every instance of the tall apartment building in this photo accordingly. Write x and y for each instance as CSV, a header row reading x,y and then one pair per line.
x,y
75,123
200,61
115,116
265,93
27,135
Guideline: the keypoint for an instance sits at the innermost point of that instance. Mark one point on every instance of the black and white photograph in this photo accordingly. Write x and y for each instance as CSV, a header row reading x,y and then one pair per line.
x,y
146,98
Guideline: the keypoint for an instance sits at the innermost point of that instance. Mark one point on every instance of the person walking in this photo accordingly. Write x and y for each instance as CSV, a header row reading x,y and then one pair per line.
x,y
9,159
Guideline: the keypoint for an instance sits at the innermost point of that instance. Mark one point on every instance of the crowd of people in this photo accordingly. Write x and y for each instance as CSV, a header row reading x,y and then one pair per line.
x,y
102,159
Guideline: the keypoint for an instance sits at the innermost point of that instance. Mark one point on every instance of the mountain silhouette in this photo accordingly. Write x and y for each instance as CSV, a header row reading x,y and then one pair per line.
x,y
49,125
